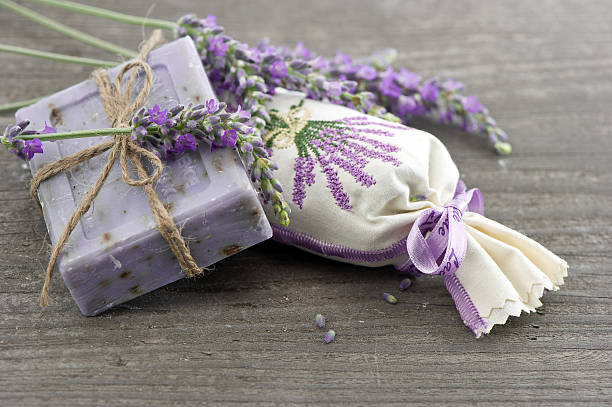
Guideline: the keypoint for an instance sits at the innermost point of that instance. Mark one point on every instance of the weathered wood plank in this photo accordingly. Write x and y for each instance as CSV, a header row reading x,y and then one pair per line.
x,y
245,333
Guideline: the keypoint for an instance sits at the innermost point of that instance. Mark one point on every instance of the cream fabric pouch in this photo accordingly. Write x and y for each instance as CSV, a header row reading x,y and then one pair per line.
x,y
370,192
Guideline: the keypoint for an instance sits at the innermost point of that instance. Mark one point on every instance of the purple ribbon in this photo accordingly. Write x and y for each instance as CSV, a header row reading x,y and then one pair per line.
x,y
437,241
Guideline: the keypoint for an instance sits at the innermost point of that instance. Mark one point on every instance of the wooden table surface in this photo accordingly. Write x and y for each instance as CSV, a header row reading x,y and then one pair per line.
x,y
246,333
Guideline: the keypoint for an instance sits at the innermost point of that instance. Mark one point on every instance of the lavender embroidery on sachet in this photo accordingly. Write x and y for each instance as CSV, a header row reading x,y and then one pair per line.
x,y
347,144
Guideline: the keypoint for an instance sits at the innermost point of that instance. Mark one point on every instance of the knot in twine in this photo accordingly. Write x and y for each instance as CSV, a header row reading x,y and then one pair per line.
x,y
119,109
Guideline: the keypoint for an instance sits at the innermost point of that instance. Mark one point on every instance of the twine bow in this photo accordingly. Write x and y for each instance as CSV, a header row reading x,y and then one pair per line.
x,y
440,232
119,108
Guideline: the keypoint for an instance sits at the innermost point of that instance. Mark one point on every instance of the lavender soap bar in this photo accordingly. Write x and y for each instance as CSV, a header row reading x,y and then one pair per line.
x,y
116,252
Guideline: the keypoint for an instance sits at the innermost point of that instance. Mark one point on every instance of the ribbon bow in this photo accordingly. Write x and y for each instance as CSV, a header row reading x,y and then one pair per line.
x,y
439,233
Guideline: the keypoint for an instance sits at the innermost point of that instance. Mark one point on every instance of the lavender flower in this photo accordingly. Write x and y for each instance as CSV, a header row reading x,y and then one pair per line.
x,y
157,116
429,91
218,47
330,336
47,129
184,142
22,142
472,105
32,147
278,69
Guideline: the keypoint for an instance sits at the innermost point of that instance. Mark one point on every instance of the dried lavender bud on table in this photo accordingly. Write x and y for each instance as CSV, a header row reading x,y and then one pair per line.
x,y
116,253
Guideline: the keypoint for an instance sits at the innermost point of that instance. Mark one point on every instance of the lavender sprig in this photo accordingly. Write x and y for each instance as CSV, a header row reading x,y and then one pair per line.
x,y
170,133
24,143
249,76
406,94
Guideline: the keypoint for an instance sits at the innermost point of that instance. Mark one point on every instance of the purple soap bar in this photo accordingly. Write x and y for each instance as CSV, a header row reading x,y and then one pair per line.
x,y
116,252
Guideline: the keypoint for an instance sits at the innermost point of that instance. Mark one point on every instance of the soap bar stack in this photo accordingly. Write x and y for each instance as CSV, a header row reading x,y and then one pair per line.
x,y
116,252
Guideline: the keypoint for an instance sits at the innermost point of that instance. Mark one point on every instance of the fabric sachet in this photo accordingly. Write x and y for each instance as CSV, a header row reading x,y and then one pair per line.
x,y
370,192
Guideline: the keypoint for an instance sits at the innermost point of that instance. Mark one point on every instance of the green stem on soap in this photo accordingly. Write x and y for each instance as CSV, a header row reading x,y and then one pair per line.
x,y
110,15
10,107
64,29
56,57
76,134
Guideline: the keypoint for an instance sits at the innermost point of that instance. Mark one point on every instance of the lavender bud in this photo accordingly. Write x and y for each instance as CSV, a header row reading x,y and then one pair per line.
x,y
405,284
23,124
262,152
320,82
266,188
197,115
241,127
276,184
266,173
242,53
187,19
319,319
329,336
14,132
390,298
141,132
176,110
297,64
256,173
350,84
197,133
503,148
277,209
269,59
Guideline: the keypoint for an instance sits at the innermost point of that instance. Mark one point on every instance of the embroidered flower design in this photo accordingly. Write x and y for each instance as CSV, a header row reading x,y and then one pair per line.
x,y
347,144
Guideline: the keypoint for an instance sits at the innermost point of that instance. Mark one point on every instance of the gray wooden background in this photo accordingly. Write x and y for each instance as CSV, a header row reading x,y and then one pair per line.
x,y
246,333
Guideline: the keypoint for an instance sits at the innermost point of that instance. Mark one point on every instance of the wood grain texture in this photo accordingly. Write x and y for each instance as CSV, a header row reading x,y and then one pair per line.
x,y
246,333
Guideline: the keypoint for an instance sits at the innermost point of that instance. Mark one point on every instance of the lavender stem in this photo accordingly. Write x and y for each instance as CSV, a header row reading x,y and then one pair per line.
x,y
108,14
76,134
64,29
56,57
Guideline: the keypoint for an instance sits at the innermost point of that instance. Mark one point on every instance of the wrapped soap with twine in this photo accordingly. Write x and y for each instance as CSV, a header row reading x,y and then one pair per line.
x,y
109,262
